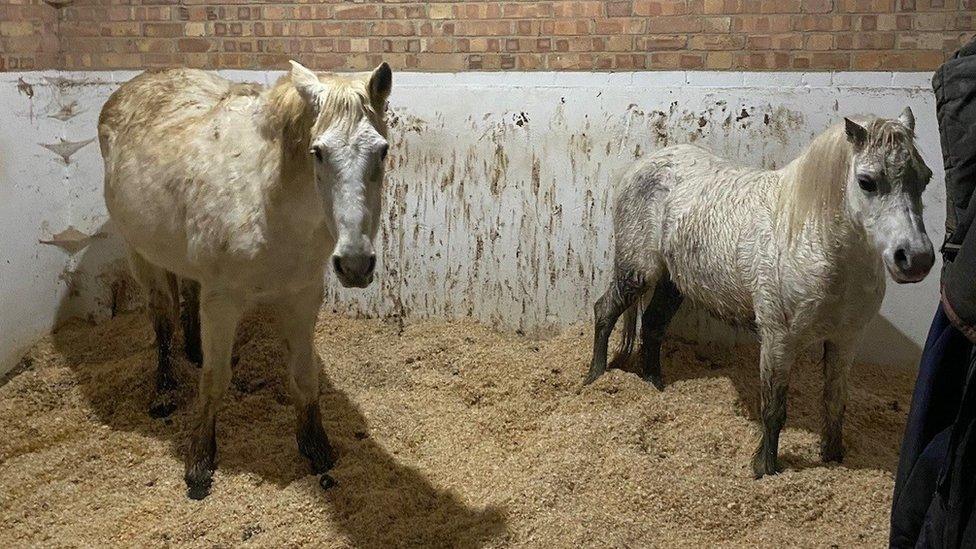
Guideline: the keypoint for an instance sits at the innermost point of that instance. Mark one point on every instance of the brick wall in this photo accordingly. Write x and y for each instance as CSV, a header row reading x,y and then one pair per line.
x,y
28,35
458,36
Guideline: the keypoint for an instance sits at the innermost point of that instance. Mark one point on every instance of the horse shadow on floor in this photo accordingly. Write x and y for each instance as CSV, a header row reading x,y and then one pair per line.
x,y
377,501
876,412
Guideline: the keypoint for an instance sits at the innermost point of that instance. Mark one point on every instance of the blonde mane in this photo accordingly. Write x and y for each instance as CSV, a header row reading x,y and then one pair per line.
x,y
815,183
344,105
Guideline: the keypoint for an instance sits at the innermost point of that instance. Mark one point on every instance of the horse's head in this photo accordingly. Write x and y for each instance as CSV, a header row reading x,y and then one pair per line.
x,y
885,193
348,149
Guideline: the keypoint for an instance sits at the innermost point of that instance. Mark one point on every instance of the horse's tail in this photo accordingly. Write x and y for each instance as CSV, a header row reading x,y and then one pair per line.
x,y
629,334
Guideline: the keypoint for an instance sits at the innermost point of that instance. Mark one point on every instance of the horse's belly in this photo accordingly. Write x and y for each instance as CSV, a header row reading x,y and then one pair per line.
x,y
179,229
716,294
711,273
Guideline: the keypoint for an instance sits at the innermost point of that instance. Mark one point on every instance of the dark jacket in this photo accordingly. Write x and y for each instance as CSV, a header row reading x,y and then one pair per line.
x,y
955,94
934,504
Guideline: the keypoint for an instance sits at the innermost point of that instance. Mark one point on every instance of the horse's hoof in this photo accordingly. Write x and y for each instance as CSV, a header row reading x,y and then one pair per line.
x,y
832,453
160,410
321,464
320,459
198,489
326,481
591,377
314,445
198,479
762,468
163,404
194,355
654,380
201,461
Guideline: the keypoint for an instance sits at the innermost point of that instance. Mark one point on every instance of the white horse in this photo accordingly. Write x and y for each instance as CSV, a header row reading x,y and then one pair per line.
x,y
795,253
247,192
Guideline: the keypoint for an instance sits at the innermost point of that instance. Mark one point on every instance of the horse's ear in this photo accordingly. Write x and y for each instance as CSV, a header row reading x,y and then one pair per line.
x,y
308,85
907,119
856,133
380,84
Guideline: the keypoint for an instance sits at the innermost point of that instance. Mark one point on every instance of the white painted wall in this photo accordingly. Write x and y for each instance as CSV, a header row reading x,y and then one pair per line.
x,y
497,204
35,202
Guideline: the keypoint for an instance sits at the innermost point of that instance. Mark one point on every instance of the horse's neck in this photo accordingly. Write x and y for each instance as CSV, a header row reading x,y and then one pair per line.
x,y
828,221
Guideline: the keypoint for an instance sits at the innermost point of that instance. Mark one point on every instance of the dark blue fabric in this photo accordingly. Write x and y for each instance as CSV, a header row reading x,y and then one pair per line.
x,y
923,513
942,377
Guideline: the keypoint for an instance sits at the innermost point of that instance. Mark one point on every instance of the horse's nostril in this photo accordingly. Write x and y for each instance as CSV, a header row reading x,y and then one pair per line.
x,y
372,264
901,259
337,265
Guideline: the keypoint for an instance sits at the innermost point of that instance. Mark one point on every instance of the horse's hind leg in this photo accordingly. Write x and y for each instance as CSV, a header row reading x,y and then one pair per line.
x,y
296,315
654,324
190,319
624,291
776,359
162,293
219,315
838,356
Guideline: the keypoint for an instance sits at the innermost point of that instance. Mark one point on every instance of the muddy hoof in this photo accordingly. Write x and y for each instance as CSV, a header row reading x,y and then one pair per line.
x,y
591,377
198,479
164,403
199,489
319,455
160,410
201,461
654,380
832,453
194,355
762,468
313,443
326,481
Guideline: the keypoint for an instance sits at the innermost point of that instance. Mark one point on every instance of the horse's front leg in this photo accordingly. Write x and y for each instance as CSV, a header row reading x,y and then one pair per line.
x,y
296,319
776,359
838,356
219,315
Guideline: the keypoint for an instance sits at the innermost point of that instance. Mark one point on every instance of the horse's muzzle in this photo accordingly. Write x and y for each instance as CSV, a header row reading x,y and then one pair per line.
x,y
354,271
907,266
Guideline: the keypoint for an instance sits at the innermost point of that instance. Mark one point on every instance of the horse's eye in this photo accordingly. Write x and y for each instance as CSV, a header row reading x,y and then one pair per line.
x,y
384,151
317,151
867,184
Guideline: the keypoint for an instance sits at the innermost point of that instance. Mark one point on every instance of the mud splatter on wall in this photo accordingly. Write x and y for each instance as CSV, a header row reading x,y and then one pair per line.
x,y
505,215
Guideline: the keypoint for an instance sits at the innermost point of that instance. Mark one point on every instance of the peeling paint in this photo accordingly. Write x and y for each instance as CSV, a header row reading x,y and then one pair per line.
x,y
71,240
63,111
25,88
65,149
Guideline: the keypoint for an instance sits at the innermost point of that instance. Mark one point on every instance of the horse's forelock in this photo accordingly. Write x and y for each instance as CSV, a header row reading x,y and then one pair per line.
x,y
344,103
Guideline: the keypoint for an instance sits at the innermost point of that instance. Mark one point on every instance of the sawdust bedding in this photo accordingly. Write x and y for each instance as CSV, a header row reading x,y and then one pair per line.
x,y
448,435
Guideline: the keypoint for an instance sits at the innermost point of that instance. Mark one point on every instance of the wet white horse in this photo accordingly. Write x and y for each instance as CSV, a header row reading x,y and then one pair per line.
x,y
246,192
796,253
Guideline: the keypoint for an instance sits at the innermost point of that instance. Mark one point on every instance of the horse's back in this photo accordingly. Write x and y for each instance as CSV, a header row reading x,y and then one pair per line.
x,y
155,102
704,217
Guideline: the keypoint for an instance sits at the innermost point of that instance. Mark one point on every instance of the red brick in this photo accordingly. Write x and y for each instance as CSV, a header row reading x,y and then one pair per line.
x,y
473,34
817,6
620,9
194,45
357,12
